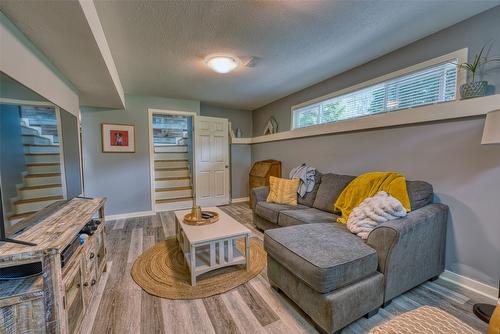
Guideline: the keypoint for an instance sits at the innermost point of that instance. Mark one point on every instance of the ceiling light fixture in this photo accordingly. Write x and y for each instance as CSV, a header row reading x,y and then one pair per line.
x,y
222,64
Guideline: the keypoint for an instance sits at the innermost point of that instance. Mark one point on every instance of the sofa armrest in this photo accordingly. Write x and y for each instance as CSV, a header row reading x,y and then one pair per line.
x,y
259,194
411,250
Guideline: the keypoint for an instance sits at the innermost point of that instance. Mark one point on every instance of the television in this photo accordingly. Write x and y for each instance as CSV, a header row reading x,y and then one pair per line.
x,y
40,157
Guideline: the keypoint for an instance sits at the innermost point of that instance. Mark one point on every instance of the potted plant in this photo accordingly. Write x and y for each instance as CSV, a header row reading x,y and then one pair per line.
x,y
475,88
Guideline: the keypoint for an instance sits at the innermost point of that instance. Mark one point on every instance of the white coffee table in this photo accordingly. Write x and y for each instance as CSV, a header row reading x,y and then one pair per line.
x,y
213,246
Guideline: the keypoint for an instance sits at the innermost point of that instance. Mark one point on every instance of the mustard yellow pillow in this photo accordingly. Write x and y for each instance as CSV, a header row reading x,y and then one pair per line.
x,y
283,191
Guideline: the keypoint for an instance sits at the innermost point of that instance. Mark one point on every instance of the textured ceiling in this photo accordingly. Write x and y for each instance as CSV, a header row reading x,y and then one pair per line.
x,y
60,30
158,46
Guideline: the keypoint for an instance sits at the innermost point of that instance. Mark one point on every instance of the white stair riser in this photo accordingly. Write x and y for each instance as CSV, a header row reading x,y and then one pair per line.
x,y
34,206
43,169
171,164
172,183
171,173
170,148
40,181
33,159
174,206
171,156
29,131
41,149
35,140
173,194
37,193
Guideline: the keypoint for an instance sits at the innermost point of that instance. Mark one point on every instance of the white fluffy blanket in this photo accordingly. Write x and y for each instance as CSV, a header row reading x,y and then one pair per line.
x,y
373,211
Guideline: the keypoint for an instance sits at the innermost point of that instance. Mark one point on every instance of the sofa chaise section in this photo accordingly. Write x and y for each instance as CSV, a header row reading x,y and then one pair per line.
x,y
318,266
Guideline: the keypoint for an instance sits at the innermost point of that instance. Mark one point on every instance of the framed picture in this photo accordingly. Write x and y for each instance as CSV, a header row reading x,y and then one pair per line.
x,y
118,138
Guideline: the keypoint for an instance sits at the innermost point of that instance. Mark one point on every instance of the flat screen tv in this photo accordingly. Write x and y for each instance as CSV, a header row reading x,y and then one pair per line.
x,y
40,159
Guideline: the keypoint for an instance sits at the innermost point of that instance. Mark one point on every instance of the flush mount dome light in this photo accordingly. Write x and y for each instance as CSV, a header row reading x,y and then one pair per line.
x,y
222,64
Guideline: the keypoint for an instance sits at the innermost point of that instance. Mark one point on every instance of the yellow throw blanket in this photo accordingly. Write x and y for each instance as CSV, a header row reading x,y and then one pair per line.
x,y
367,185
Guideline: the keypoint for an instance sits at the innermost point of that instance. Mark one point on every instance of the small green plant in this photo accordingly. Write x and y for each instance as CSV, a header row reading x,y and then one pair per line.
x,y
475,66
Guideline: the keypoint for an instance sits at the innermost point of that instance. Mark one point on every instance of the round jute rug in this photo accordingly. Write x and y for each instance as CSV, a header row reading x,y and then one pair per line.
x,y
161,271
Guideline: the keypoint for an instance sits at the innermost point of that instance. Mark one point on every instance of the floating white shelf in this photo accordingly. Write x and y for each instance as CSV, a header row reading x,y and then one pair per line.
x,y
429,113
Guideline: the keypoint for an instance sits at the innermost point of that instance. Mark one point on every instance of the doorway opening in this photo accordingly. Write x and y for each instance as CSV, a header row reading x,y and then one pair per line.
x,y
171,140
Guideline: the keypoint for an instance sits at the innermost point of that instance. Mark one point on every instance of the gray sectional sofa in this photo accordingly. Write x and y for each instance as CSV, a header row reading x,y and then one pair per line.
x,y
333,275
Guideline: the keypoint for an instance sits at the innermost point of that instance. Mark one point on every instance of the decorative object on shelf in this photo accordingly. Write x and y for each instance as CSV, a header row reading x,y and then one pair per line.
x,y
118,138
271,126
238,133
475,88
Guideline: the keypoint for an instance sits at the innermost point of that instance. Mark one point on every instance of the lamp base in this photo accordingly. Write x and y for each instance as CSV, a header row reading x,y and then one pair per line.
x,y
483,311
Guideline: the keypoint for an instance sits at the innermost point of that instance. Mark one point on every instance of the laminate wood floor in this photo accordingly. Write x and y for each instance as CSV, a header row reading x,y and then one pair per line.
x,y
120,306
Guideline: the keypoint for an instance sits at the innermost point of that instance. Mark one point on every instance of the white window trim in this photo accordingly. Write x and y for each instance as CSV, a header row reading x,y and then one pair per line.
x,y
461,55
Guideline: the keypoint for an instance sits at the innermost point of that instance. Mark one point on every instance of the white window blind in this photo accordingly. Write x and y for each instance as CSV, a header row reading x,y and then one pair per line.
x,y
431,85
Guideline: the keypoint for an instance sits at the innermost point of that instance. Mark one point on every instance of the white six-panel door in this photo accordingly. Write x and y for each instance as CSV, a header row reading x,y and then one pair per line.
x,y
211,161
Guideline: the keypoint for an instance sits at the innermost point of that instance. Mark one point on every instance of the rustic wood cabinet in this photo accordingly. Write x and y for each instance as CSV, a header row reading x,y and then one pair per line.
x,y
260,173
74,302
57,300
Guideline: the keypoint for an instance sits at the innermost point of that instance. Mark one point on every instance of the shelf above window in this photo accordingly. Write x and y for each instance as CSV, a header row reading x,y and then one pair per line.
x,y
429,113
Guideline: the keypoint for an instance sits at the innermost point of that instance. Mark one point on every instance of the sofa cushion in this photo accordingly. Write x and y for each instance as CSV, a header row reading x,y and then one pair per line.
x,y
270,211
329,189
324,256
420,193
307,216
309,197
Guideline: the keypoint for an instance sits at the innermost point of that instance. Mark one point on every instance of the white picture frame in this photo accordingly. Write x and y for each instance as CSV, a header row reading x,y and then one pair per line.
x,y
118,138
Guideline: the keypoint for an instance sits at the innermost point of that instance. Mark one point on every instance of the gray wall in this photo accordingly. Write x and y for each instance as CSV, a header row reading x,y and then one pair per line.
x,y
69,129
241,162
465,174
472,33
124,178
239,118
12,162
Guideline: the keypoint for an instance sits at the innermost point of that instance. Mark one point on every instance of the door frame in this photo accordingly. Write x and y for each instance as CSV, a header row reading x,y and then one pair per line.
x,y
61,153
152,111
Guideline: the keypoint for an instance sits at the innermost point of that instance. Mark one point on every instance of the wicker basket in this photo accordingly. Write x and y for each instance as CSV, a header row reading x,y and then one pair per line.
x,y
473,89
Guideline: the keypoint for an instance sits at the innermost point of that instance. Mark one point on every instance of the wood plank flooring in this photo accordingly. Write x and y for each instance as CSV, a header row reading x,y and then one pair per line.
x,y
120,306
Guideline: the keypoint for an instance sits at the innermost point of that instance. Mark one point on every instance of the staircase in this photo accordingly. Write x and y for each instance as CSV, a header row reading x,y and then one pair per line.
x,y
172,172
42,184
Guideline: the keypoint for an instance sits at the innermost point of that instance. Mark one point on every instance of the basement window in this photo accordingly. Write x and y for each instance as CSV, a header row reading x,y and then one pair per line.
x,y
434,81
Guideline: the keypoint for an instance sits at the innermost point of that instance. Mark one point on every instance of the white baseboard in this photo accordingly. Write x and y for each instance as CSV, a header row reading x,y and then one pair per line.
x,y
239,200
470,284
130,215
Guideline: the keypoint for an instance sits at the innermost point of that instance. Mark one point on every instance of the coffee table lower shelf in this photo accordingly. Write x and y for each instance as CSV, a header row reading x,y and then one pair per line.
x,y
204,262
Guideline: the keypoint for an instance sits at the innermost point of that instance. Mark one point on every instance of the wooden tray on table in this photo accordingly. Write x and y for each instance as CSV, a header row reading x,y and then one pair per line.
x,y
190,220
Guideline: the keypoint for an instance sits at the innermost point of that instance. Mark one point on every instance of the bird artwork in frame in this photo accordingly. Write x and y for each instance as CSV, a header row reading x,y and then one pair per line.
x,y
118,138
